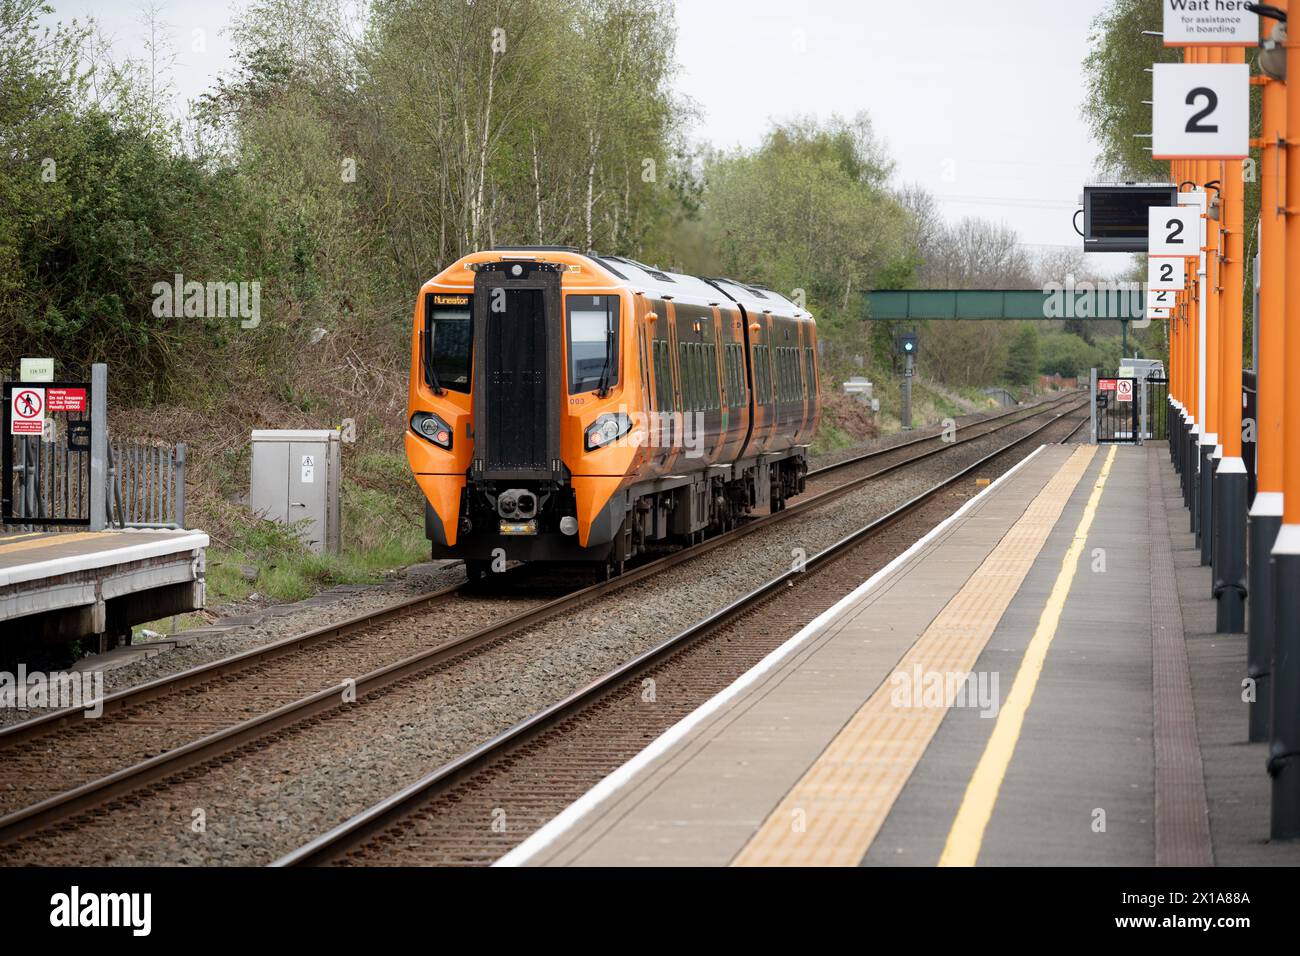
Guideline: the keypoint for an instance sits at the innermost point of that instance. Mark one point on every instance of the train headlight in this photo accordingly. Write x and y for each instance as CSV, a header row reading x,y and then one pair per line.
x,y
606,430
430,426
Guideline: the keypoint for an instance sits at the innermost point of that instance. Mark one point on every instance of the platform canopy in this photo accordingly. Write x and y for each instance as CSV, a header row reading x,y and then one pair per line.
x,y
1119,301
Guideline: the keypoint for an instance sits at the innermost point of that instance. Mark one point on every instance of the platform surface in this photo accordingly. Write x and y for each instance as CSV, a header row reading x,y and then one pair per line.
x,y
1101,723
25,557
57,573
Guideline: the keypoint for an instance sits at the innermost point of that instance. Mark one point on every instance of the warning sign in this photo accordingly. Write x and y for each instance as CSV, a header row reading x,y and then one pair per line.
x,y
27,411
65,399
1106,384
1124,389
308,469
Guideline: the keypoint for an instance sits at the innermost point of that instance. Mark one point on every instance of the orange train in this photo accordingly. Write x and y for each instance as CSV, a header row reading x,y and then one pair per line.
x,y
571,407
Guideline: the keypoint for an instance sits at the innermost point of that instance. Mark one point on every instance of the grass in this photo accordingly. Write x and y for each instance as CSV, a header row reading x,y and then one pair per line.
x,y
382,531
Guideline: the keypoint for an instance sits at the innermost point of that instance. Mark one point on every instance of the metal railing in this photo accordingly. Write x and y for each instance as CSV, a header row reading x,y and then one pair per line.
x,y
147,485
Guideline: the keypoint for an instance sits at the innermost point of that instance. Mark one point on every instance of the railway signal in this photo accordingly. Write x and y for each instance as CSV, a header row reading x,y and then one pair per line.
x,y
908,342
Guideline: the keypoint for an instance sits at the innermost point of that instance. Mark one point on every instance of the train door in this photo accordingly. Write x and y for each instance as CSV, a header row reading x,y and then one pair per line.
x,y
735,383
759,361
668,386
518,372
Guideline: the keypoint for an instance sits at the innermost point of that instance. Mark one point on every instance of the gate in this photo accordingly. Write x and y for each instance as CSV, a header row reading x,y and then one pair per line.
x,y
61,470
1156,395
46,454
1117,405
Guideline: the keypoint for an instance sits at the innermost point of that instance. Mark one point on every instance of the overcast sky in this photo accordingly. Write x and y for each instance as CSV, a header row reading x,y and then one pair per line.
x,y
976,101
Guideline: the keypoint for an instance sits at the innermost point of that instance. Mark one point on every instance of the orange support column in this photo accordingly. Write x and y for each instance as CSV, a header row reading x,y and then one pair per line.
x,y
1266,510
1231,487
1207,176
1284,746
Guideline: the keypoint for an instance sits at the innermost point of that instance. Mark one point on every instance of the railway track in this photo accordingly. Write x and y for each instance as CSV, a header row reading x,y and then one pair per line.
x,y
259,694
476,808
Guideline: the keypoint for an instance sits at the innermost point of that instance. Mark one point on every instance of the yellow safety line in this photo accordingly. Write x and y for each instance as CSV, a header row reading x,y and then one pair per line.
x,y
47,540
967,833
832,815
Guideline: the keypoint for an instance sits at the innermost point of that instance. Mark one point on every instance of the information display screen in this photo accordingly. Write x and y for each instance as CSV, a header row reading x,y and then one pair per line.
x,y
1115,217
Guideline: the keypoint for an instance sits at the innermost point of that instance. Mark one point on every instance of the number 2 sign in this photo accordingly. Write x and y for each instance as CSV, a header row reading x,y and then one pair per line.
x,y
1200,111
1166,274
1173,231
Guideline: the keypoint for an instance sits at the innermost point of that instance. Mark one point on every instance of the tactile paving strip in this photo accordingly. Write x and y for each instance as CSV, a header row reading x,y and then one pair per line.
x,y
831,816
1182,812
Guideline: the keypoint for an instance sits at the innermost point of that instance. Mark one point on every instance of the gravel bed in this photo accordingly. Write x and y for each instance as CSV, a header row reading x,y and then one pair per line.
x,y
268,624
898,438
276,795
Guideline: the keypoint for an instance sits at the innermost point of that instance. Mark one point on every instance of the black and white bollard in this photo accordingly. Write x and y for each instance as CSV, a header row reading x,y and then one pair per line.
x,y
1231,500
1265,521
1284,745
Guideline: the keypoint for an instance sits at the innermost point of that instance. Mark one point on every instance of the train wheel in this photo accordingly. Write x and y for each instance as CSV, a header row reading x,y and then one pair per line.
x,y
478,573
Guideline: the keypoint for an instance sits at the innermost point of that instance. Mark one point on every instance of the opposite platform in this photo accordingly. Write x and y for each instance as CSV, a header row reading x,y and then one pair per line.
x,y
79,584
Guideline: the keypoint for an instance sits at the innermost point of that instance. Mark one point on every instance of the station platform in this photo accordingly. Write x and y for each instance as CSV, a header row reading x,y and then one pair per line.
x,y
61,586
1037,681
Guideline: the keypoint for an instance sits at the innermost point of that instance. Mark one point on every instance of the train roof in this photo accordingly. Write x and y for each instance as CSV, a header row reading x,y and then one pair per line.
x,y
662,283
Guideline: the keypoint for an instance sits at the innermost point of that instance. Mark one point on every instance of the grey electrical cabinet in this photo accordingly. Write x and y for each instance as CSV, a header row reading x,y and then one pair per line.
x,y
295,480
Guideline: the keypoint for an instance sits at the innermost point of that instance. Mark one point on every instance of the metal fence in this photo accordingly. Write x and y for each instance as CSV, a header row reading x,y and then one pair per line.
x,y
148,485
60,469
48,483
1155,399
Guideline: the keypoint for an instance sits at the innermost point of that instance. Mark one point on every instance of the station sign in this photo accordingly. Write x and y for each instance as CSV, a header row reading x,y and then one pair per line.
x,y
1209,23
27,411
1174,231
1161,299
36,370
1165,274
1200,111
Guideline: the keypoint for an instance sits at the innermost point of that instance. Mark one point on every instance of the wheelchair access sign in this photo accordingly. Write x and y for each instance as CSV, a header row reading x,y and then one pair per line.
x,y
27,411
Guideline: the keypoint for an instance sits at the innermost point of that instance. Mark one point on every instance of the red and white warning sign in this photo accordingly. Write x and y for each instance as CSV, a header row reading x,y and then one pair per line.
x,y
65,399
1124,389
27,411
1106,384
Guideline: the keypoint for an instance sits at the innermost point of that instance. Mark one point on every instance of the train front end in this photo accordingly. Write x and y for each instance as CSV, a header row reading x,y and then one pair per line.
x,y
518,411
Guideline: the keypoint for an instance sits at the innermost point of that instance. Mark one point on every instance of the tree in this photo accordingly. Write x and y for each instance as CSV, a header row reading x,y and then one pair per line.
x,y
809,210
1115,106
1022,356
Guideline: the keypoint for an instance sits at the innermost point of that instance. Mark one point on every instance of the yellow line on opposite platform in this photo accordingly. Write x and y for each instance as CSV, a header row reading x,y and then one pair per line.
x,y
833,813
46,540
967,833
